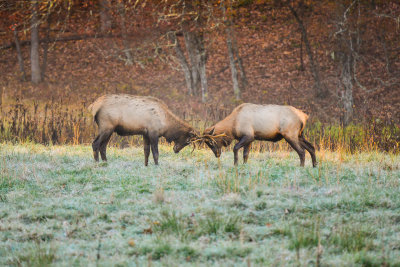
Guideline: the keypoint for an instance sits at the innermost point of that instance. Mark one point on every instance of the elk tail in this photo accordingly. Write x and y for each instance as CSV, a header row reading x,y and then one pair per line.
x,y
94,108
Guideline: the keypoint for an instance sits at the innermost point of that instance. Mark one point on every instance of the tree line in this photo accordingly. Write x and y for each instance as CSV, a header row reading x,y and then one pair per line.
x,y
355,28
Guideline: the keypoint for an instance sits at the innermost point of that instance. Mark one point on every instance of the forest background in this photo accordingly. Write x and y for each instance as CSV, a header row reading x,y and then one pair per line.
x,y
336,60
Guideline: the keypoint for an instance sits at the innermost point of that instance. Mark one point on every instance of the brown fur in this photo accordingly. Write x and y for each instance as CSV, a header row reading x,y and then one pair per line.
x,y
249,122
138,115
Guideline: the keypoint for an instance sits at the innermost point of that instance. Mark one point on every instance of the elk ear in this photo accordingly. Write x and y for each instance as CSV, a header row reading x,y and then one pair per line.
x,y
225,142
212,130
193,133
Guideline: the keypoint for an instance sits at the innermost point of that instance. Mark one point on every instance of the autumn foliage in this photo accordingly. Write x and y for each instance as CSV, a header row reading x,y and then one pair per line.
x,y
90,48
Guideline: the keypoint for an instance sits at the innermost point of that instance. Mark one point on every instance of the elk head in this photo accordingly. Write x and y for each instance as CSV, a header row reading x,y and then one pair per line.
x,y
185,139
215,141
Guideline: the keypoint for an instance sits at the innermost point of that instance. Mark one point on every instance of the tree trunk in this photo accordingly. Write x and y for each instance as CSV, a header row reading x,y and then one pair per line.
x,y
204,85
35,59
232,53
347,81
348,44
194,42
1,99
183,62
232,65
127,50
105,20
302,68
243,77
19,55
195,72
194,57
320,91
202,68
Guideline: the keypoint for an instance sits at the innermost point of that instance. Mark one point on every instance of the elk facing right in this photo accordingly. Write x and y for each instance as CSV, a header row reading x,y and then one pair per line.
x,y
138,115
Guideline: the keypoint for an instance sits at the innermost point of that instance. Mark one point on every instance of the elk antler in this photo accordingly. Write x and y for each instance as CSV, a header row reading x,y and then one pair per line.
x,y
195,140
206,136
201,139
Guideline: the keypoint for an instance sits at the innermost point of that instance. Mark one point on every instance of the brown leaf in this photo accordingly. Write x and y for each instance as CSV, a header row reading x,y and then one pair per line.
x,y
148,231
131,242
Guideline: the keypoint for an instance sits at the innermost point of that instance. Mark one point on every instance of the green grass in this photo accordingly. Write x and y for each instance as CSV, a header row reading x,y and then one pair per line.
x,y
60,208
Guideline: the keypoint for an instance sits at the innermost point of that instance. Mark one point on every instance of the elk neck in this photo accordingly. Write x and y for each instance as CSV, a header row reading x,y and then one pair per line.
x,y
226,126
175,130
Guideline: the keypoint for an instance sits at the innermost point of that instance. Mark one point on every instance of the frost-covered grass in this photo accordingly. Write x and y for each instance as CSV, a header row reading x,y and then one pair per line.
x,y
59,207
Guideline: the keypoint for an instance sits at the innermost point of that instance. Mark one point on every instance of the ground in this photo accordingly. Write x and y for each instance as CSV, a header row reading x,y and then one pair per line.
x,y
59,207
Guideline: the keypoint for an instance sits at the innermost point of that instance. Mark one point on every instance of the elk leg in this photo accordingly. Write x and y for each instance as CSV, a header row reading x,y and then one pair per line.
x,y
310,148
246,151
244,141
95,146
103,146
154,148
295,144
146,141
97,143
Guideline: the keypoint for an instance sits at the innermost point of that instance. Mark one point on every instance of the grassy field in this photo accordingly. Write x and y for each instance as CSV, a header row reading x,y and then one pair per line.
x,y
59,207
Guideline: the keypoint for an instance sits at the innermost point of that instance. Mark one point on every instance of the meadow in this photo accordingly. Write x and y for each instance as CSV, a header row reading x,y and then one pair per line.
x,y
58,207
